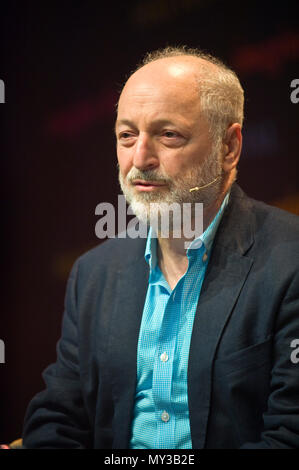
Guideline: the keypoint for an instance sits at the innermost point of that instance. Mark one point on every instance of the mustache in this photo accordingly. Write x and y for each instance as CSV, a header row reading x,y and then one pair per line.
x,y
149,175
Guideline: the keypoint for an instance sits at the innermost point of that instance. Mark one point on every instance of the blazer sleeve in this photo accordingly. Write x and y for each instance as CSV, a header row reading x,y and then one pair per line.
x,y
281,419
56,417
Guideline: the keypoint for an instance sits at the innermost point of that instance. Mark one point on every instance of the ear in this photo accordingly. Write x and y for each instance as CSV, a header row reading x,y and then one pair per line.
x,y
232,147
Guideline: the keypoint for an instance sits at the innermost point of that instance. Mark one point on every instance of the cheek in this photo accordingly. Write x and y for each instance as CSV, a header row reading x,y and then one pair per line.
x,y
179,163
124,161
190,159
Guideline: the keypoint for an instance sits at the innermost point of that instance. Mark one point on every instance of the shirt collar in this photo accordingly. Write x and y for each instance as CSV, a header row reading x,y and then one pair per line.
x,y
205,239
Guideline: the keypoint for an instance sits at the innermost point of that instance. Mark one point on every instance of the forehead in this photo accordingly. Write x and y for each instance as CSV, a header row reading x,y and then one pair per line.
x,y
160,86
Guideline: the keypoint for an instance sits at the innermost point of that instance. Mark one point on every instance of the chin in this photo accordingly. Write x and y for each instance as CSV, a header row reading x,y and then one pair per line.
x,y
141,210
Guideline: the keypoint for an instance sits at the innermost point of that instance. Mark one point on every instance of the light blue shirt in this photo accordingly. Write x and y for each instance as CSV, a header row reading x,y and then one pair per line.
x,y
161,414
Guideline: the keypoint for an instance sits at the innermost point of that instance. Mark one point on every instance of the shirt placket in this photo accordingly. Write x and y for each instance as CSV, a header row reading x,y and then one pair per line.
x,y
163,373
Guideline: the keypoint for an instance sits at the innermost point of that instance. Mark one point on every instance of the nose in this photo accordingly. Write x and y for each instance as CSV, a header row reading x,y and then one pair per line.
x,y
145,157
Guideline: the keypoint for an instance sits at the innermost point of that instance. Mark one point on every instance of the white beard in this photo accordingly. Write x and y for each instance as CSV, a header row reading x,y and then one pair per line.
x,y
178,190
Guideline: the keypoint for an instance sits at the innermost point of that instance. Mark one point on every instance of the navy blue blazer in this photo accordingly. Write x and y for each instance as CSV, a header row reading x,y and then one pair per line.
x,y
243,387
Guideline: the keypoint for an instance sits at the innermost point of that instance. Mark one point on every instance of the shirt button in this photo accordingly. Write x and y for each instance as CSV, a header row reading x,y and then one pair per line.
x,y
205,257
164,357
165,416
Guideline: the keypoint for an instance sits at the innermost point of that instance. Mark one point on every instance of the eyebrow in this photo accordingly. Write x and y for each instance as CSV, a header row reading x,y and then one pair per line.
x,y
127,122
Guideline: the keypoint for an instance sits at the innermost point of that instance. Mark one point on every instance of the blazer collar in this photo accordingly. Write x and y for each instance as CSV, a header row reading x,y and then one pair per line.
x,y
236,231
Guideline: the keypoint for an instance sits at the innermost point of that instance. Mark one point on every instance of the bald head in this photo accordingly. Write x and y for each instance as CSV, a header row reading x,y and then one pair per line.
x,y
182,67
166,80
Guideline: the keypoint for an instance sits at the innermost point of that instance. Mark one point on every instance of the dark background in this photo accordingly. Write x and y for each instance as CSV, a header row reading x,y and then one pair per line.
x,y
63,64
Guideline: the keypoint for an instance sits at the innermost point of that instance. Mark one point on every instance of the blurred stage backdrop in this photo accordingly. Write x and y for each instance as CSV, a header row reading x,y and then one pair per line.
x,y
63,64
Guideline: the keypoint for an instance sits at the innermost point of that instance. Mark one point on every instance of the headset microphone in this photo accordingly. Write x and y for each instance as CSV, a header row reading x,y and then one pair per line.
x,y
197,188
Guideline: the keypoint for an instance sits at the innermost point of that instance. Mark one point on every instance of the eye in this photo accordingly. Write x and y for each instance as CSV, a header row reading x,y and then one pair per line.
x,y
126,138
124,135
170,134
172,138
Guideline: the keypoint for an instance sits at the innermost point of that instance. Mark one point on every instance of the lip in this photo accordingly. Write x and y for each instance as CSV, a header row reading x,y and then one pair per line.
x,y
147,185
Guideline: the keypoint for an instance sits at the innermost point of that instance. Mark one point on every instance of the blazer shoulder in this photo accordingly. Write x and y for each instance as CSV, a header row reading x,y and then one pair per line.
x,y
249,223
276,222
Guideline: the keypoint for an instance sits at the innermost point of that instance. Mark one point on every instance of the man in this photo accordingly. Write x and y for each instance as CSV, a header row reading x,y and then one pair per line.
x,y
165,346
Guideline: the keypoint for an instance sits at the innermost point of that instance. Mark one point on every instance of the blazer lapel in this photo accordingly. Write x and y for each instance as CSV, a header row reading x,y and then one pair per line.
x,y
130,292
226,274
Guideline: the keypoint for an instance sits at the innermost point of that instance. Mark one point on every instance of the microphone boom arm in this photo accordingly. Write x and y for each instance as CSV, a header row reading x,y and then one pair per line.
x,y
197,188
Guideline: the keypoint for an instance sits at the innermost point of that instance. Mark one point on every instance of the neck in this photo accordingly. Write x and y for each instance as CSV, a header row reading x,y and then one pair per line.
x,y
172,257
174,248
